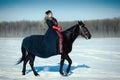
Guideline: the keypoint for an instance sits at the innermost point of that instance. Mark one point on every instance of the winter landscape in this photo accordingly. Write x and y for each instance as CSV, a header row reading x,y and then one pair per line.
x,y
94,59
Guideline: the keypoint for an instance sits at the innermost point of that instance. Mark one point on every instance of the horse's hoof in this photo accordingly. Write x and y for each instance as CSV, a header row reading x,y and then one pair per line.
x,y
66,74
23,73
62,73
36,74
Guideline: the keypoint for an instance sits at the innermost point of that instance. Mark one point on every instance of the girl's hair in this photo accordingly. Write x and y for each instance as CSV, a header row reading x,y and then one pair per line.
x,y
44,19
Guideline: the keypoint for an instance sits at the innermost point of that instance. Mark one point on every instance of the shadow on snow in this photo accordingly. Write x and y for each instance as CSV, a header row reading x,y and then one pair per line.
x,y
56,68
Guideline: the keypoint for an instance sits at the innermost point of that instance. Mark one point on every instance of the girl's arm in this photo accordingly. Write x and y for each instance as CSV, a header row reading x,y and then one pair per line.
x,y
49,23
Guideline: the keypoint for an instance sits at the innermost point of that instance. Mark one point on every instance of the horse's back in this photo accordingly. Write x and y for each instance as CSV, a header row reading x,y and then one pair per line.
x,y
35,44
30,39
32,43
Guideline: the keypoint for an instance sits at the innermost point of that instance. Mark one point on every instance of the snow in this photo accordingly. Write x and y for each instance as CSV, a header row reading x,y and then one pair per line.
x,y
94,59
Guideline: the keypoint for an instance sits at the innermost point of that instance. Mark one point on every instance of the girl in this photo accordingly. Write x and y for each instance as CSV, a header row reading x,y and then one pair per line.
x,y
53,30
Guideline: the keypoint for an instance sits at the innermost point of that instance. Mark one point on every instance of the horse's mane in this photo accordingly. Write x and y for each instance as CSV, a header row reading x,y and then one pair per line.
x,y
70,29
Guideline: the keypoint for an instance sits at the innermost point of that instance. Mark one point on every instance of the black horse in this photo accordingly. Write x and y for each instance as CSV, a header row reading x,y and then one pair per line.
x,y
69,37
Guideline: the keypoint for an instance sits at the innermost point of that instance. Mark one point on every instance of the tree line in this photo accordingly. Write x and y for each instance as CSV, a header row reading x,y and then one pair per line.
x,y
98,28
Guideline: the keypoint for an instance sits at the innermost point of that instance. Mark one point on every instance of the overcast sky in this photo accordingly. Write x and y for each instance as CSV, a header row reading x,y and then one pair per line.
x,y
64,10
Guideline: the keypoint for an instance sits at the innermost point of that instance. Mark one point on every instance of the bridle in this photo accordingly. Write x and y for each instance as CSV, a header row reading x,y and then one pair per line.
x,y
82,31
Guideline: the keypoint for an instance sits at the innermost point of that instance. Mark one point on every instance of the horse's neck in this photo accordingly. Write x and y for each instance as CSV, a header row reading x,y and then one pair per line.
x,y
69,33
74,38
76,33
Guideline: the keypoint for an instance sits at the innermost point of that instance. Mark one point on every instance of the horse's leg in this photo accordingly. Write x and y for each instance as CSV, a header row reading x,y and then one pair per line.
x,y
24,64
61,65
32,58
70,62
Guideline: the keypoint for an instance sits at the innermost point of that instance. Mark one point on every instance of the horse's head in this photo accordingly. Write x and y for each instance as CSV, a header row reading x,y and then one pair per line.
x,y
83,30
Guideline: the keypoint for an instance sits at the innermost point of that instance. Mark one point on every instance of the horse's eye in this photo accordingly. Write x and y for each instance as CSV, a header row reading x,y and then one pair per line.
x,y
73,34
86,32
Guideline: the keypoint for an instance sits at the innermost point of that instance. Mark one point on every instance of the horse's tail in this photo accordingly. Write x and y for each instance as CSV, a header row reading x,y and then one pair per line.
x,y
23,50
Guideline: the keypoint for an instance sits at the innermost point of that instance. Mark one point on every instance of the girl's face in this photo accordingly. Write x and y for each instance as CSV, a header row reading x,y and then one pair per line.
x,y
50,15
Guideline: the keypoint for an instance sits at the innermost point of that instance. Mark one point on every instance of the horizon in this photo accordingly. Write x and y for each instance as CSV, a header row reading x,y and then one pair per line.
x,y
34,10
63,21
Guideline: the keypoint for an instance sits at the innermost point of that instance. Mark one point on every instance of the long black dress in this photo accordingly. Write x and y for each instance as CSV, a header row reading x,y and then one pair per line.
x,y
43,45
51,37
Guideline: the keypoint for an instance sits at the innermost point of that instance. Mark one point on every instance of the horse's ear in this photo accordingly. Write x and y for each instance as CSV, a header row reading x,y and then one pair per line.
x,y
79,22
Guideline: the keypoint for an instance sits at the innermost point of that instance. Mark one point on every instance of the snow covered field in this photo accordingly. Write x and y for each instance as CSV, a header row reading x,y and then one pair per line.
x,y
95,59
